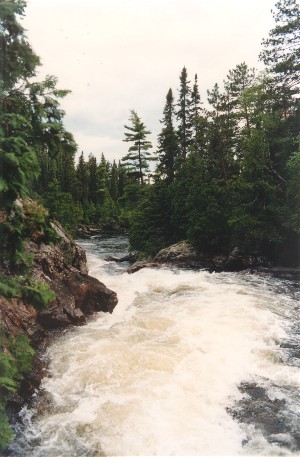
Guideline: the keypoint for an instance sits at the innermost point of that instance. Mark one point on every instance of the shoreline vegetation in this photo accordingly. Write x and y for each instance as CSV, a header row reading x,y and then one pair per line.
x,y
225,178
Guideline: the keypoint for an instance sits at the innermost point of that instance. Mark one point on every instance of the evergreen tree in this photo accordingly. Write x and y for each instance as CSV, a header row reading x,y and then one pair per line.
x,y
221,136
184,130
113,182
238,80
138,157
168,149
198,121
121,179
103,177
281,53
18,163
82,190
93,179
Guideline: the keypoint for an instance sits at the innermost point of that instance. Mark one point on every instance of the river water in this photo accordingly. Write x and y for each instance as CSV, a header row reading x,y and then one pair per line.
x,y
189,363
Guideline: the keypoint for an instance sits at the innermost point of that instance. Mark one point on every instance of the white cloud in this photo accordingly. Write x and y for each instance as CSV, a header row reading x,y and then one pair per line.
x,y
117,55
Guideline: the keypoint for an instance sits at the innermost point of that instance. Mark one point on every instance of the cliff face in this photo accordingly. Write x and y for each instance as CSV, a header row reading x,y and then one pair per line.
x,y
63,267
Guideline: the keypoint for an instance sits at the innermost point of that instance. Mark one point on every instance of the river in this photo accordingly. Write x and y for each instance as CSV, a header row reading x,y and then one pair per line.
x,y
189,363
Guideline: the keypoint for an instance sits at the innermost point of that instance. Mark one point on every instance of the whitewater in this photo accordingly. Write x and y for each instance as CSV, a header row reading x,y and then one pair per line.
x,y
172,370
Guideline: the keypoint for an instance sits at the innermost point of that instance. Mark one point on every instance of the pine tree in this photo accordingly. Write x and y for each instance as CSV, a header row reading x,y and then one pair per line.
x,y
138,157
238,81
281,53
168,149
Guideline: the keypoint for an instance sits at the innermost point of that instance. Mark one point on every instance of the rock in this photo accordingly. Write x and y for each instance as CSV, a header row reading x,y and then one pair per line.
x,y
143,264
181,251
239,260
53,318
86,230
182,255
63,268
131,258
73,254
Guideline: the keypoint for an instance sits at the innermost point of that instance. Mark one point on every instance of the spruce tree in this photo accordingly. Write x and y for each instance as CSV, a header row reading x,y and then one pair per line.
x,y
184,130
168,149
198,121
113,181
93,181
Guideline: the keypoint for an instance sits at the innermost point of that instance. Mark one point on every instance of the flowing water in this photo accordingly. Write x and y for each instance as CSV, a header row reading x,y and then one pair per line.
x,y
189,363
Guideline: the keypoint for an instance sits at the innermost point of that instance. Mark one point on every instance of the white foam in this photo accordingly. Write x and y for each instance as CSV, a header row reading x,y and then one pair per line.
x,y
156,376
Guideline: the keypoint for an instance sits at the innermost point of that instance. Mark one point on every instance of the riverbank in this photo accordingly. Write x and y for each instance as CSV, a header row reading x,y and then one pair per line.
x,y
183,255
63,268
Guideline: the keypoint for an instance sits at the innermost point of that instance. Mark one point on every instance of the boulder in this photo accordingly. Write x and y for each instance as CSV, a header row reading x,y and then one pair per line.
x,y
181,254
142,264
184,255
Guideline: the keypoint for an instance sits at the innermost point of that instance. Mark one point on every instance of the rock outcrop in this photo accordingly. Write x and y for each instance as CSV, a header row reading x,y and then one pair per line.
x,y
183,255
63,267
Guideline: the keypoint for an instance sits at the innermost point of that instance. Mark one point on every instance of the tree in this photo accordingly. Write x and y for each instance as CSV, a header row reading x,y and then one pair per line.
x,y
113,181
184,130
281,53
221,135
167,142
18,163
138,157
93,181
238,80
82,190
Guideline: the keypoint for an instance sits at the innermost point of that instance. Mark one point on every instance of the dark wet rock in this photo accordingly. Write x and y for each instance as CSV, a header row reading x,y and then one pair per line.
x,y
270,417
183,255
131,258
239,260
143,264
111,258
87,230
281,272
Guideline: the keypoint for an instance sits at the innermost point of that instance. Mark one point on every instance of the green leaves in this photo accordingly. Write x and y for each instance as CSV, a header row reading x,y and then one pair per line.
x,y
15,359
34,293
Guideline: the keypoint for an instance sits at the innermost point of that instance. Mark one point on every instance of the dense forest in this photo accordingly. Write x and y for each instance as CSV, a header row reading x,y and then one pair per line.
x,y
225,173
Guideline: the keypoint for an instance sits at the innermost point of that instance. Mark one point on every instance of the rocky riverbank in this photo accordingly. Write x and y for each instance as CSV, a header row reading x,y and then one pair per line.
x,y
63,267
183,255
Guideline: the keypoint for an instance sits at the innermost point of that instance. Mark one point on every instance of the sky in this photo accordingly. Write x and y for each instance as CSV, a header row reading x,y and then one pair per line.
x,y
119,55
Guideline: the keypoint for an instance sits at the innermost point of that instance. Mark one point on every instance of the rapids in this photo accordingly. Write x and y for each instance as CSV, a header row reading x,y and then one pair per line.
x,y
189,363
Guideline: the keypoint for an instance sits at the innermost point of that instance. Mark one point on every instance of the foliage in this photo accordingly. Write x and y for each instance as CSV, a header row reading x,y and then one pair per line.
x,y
136,161
281,51
62,207
15,359
34,293
292,218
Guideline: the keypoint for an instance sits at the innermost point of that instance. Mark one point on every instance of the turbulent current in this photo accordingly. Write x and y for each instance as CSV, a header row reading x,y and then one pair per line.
x,y
189,363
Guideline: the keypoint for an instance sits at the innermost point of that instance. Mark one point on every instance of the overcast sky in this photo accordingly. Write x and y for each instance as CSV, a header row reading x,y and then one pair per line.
x,y
118,55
